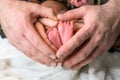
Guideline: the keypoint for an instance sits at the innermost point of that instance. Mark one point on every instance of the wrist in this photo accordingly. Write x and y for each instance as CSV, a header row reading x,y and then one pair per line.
x,y
118,4
112,9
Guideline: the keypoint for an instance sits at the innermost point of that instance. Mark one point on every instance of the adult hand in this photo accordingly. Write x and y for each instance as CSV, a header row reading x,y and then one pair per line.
x,y
100,30
17,19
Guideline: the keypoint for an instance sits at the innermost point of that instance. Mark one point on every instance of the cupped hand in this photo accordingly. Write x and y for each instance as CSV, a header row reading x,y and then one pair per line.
x,y
100,30
17,19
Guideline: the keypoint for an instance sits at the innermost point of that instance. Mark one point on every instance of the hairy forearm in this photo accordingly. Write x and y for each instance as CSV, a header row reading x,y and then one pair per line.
x,y
112,11
117,4
112,7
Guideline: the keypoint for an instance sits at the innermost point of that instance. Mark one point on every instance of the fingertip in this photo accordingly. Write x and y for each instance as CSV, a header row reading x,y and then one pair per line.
x,y
52,56
48,22
52,15
53,64
59,55
59,16
54,18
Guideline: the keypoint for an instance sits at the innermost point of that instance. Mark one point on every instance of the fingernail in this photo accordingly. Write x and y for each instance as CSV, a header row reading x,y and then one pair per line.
x,y
54,18
75,68
52,56
60,55
47,65
60,60
53,64
65,68
59,16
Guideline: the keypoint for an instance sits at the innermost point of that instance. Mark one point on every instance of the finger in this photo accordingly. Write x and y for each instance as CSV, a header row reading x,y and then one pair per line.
x,y
44,59
38,56
82,54
94,55
48,22
71,14
33,53
81,36
24,46
77,26
44,12
27,52
40,28
37,42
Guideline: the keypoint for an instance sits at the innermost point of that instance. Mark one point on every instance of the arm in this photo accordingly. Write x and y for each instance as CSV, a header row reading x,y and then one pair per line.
x,y
118,3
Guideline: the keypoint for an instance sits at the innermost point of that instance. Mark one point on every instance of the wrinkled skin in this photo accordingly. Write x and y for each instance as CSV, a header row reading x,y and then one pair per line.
x,y
100,30
17,19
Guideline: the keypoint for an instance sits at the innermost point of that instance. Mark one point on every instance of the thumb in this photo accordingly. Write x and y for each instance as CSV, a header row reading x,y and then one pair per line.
x,y
45,12
48,22
71,14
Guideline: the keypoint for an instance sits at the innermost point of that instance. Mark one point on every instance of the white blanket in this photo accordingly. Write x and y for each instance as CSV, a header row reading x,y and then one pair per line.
x,y
14,65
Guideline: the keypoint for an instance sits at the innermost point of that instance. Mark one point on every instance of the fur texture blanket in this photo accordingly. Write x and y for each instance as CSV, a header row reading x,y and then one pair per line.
x,y
16,66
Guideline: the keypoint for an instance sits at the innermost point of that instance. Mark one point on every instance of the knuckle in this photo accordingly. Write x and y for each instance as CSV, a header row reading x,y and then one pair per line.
x,y
83,55
76,43
98,39
50,10
35,6
92,27
36,42
27,46
87,33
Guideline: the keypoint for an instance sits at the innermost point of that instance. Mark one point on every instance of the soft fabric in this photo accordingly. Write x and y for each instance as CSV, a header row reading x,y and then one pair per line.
x,y
14,65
